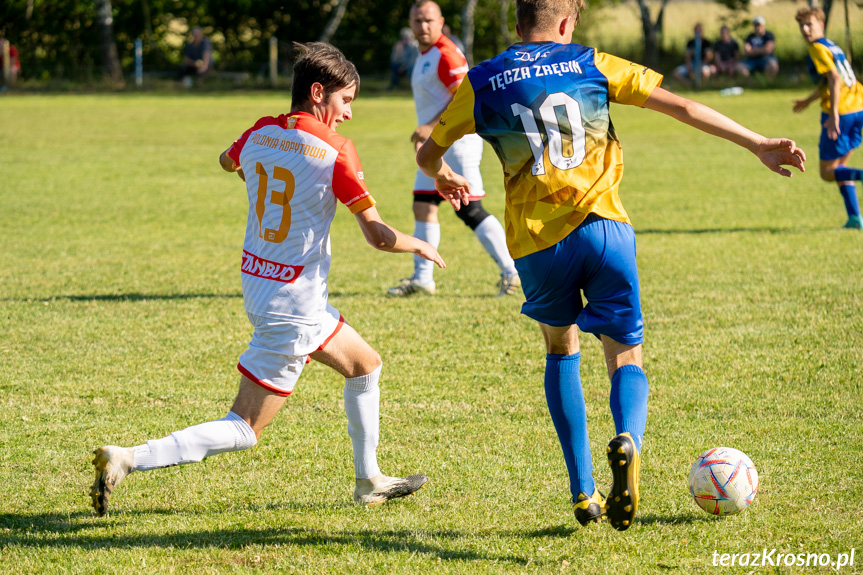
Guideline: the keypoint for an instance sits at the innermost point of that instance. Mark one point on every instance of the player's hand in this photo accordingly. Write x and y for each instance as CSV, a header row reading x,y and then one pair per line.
x,y
428,252
831,125
775,153
454,188
801,104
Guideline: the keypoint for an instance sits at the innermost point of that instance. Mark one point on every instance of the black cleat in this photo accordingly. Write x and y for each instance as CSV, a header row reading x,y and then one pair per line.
x,y
625,462
589,509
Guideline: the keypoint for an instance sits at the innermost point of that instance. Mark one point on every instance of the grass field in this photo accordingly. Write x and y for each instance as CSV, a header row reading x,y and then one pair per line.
x,y
123,319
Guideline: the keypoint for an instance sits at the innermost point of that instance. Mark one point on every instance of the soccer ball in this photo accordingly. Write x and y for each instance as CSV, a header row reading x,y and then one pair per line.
x,y
723,481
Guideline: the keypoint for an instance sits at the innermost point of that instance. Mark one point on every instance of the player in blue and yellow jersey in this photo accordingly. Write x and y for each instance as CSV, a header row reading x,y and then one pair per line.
x,y
841,98
543,105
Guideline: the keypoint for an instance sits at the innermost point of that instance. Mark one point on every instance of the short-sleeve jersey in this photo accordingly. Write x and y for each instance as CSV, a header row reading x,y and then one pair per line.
x,y
726,51
435,78
196,52
296,168
544,108
824,56
757,41
706,46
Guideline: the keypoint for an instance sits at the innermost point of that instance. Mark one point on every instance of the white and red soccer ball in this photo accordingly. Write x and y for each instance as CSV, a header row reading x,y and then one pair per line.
x,y
723,481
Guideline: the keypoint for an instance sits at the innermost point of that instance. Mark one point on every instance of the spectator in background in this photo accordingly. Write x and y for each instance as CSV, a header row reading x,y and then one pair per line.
x,y
726,55
447,31
14,65
686,71
403,56
759,48
197,57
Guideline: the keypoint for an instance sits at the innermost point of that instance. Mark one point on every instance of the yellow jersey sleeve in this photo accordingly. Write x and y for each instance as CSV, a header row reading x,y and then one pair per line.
x,y
822,57
628,82
457,120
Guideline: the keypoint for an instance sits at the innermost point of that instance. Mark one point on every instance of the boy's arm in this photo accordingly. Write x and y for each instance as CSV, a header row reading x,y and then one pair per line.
x,y
803,103
229,166
386,238
833,87
452,186
773,153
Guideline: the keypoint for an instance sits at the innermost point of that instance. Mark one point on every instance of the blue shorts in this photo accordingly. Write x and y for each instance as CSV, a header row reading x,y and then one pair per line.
x,y
850,127
759,63
597,258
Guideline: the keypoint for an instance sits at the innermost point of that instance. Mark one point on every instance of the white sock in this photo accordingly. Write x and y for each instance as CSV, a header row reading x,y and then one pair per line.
x,y
427,232
195,443
492,237
362,406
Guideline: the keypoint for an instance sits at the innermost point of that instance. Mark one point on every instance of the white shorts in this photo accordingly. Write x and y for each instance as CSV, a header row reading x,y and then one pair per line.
x,y
269,362
464,158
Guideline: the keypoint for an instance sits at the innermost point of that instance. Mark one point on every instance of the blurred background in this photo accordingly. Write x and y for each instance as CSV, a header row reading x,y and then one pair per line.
x,y
70,44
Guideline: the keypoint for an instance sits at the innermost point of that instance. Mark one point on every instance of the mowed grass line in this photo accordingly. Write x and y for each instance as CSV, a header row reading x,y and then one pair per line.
x,y
119,293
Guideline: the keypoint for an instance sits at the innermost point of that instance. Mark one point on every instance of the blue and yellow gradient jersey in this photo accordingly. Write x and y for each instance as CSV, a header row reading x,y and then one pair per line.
x,y
544,109
824,56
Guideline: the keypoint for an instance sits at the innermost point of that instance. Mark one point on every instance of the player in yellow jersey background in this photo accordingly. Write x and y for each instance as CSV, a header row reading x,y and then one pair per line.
x,y
841,97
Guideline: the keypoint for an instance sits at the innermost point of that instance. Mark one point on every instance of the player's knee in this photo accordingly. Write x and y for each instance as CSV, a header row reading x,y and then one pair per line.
x,y
472,214
828,175
366,364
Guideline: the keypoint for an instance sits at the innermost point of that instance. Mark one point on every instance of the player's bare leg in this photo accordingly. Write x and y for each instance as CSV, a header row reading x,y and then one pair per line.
x,y
350,355
628,402
253,409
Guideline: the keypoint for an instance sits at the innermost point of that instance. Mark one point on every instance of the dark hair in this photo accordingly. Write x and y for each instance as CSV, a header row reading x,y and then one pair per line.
x,y
541,14
320,62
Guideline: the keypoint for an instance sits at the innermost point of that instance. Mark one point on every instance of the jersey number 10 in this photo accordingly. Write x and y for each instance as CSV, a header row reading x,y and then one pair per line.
x,y
554,135
278,198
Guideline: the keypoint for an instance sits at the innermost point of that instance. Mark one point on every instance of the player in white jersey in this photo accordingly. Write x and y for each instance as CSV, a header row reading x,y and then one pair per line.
x,y
296,168
436,76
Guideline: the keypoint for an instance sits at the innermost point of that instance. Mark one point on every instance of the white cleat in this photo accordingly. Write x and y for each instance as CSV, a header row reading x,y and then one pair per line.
x,y
112,464
410,286
381,488
508,285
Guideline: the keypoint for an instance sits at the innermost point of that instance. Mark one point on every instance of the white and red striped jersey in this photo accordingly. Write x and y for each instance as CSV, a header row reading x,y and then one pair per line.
x,y
296,168
436,75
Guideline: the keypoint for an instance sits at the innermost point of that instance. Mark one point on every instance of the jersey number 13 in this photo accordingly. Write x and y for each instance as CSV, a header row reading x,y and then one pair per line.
x,y
279,198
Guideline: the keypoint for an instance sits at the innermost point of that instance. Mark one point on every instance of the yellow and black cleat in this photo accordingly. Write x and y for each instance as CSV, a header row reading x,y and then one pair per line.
x,y
622,502
589,509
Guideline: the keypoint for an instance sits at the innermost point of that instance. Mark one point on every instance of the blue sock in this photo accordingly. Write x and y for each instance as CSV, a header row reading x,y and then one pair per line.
x,y
846,174
566,405
628,401
849,194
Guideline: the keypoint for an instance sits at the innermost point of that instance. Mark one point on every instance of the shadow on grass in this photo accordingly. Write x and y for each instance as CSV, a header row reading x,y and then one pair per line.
x,y
127,297
757,230
84,530
565,531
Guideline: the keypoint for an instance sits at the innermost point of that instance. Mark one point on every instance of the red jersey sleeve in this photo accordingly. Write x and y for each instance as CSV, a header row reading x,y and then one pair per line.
x,y
348,182
237,147
452,66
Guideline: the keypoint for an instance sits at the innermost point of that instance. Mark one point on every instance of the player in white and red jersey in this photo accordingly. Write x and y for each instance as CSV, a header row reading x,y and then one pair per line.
x,y
436,76
296,169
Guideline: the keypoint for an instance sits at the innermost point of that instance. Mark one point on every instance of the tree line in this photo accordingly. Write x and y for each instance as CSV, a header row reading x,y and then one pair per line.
x,y
85,40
